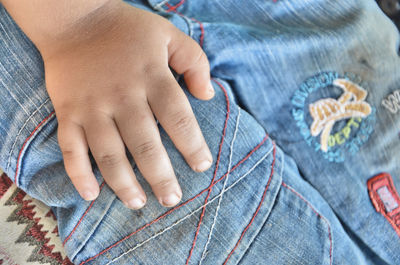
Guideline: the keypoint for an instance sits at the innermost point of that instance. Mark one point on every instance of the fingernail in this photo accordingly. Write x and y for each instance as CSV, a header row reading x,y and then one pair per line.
x,y
135,203
89,195
211,89
170,200
203,166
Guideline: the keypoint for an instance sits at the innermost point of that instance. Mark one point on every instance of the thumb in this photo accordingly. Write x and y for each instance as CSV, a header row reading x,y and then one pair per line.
x,y
186,57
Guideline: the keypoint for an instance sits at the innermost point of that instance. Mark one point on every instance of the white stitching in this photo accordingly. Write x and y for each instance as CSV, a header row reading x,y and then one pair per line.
x,y
16,57
392,102
13,95
159,5
20,130
190,214
282,165
223,189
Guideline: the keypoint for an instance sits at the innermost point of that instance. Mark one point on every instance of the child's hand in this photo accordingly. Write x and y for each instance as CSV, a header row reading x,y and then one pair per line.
x,y
107,84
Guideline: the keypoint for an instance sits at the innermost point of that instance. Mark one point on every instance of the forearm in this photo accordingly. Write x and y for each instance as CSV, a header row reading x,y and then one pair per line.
x,y
47,22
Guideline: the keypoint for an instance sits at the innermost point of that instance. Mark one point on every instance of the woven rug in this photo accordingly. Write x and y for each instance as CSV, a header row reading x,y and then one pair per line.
x,y
28,229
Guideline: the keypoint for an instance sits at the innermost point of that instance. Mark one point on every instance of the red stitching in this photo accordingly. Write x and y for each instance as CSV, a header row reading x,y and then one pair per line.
x,y
244,159
172,8
319,215
25,142
179,206
193,19
258,208
80,220
215,171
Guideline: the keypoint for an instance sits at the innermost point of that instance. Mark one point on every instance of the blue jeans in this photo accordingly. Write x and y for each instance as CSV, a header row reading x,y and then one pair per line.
x,y
321,77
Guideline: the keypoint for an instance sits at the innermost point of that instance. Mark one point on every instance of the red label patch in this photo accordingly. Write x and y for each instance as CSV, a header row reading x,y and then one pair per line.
x,y
385,198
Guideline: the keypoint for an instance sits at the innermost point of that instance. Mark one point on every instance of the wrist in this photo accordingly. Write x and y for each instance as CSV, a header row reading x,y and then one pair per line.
x,y
55,25
84,30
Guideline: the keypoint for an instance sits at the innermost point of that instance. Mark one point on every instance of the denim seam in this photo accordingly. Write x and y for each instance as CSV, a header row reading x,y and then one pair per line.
x,y
17,58
303,220
20,64
172,8
201,41
26,143
159,5
92,230
194,211
223,188
258,207
14,96
83,216
20,131
177,207
282,165
209,187
221,144
319,215
187,20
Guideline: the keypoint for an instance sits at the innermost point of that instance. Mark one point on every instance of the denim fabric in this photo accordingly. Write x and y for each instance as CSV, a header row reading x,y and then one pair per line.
x,y
285,63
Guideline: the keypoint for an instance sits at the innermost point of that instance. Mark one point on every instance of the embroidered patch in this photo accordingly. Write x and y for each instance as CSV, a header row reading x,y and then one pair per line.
x,y
392,102
385,198
338,119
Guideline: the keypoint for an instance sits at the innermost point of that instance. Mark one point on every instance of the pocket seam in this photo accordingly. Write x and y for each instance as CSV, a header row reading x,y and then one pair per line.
x,y
82,217
258,207
318,215
20,131
179,206
26,143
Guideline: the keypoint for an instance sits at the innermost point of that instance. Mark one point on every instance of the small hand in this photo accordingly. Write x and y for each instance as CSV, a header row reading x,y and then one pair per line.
x,y
106,89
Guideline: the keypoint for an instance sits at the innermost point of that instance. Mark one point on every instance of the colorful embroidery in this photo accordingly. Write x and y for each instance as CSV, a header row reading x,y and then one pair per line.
x,y
326,112
337,113
392,102
385,199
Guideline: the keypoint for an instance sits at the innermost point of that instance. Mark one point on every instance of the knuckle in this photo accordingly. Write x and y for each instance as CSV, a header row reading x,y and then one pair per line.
x,y
152,69
68,153
122,96
163,183
146,149
110,159
123,100
182,123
